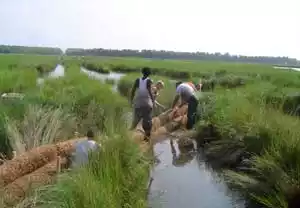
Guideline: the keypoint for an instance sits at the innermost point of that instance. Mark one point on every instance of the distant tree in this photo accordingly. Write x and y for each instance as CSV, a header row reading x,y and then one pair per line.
x,y
30,50
162,54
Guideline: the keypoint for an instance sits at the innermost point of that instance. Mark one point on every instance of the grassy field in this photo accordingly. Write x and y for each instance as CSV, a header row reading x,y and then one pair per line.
x,y
53,112
251,117
246,108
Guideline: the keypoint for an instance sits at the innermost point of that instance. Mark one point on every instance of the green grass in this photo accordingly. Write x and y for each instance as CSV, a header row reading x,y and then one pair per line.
x,y
42,64
249,110
180,69
115,177
245,121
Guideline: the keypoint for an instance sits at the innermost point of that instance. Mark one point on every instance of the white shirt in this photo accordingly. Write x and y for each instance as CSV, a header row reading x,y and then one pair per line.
x,y
185,91
82,149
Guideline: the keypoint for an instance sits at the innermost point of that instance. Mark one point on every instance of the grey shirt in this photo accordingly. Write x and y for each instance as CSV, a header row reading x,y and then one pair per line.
x,y
143,98
82,149
185,91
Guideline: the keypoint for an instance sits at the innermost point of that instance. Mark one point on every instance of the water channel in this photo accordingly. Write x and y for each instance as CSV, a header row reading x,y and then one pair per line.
x,y
185,180
178,180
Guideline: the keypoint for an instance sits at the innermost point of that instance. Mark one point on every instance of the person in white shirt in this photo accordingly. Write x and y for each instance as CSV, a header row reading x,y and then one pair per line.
x,y
187,93
80,156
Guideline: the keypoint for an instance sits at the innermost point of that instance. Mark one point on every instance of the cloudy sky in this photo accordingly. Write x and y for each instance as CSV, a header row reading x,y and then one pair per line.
x,y
249,27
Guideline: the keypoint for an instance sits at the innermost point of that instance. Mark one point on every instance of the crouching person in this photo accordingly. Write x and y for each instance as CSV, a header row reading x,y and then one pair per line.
x,y
187,94
80,156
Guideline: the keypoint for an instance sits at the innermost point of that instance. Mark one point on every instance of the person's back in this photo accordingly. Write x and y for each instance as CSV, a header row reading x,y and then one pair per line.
x,y
143,98
187,94
185,91
82,149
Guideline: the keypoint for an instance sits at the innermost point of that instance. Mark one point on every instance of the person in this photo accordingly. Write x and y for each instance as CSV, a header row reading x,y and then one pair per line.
x,y
82,149
155,91
143,102
187,94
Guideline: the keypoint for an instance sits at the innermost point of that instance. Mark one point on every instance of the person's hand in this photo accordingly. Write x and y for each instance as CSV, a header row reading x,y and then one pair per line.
x,y
174,112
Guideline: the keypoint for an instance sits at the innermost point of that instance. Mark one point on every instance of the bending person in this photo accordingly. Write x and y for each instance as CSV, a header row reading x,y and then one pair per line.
x,y
143,102
187,94
155,91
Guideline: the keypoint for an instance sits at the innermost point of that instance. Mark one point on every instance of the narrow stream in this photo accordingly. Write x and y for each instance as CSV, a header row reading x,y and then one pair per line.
x,y
287,68
178,180
59,71
115,77
186,181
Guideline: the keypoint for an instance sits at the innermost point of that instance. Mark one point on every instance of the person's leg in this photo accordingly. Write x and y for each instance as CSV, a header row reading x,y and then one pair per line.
x,y
147,120
192,110
137,115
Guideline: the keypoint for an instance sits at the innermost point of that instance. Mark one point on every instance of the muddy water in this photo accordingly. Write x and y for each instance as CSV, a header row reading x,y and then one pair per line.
x,y
187,182
102,77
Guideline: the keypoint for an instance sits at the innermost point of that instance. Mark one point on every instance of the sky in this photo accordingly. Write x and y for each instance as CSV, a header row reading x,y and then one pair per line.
x,y
247,27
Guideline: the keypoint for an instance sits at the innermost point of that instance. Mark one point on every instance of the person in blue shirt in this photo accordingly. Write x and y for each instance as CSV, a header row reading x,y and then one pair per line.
x,y
80,156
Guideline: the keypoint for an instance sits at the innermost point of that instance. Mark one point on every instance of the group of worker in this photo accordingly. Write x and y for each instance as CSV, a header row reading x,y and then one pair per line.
x,y
146,93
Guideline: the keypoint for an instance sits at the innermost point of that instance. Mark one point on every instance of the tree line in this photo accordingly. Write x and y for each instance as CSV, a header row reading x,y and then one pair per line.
x,y
157,54
183,55
6,49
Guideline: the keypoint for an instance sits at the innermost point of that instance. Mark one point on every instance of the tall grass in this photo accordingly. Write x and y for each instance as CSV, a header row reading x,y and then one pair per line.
x,y
117,176
244,121
19,62
40,125
17,81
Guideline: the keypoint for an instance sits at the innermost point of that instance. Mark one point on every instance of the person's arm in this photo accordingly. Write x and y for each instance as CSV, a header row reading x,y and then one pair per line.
x,y
149,83
134,87
175,100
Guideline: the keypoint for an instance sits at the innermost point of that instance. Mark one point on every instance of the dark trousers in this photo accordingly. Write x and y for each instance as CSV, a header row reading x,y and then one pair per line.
x,y
144,114
192,112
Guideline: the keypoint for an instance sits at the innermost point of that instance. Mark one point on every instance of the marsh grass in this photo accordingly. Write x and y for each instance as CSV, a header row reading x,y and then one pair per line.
x,y
117,176
17,81
96,67
40,125
244,121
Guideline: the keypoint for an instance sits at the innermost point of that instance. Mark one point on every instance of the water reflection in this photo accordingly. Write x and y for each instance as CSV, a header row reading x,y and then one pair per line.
x,y
180,180
184,156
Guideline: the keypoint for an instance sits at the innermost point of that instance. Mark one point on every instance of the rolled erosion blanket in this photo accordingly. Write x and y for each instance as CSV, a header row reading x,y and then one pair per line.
x,y
30,161
17,190
162,125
